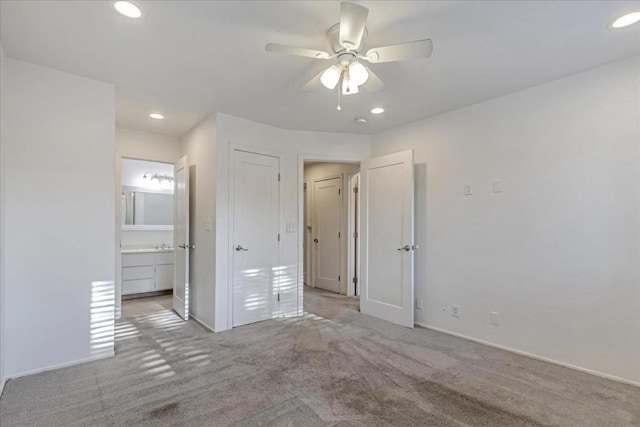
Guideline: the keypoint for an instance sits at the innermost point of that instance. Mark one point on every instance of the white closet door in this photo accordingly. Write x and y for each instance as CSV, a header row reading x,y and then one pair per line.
x,y
255,216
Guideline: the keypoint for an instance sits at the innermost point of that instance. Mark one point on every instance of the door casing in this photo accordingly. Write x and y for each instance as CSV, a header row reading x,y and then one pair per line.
x,y
313,157
353,265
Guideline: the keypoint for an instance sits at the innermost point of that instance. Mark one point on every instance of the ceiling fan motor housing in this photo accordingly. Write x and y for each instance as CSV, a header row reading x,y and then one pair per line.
x,y
346,58
333,34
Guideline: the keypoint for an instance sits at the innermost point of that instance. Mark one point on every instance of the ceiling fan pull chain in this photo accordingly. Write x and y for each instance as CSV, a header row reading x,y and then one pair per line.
x,y
339,108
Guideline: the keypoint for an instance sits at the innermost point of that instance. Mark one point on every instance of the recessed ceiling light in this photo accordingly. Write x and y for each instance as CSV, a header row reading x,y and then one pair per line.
x,y
156,116
625,20
377,110
128,9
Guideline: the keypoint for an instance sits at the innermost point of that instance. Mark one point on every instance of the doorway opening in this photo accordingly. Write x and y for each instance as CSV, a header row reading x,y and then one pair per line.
x,y
146,222
330,231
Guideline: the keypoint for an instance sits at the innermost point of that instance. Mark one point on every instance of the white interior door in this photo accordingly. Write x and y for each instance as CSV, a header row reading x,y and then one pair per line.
x,y
327,211
181,242
255,219
387,238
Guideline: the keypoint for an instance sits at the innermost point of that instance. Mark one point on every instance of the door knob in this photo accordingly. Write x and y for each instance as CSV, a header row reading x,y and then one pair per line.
x,y
315,240
405,248
240,248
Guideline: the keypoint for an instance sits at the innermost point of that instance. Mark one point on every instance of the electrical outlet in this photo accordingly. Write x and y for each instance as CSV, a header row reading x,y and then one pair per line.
x,y
419,303
455,310
494,318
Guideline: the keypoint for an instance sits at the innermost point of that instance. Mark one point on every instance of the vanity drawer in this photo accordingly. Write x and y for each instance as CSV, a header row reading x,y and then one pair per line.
x,y
137,286
164,258
135,260
133,273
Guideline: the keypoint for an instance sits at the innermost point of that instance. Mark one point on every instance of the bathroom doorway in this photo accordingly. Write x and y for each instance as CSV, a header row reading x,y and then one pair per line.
x,y
145,223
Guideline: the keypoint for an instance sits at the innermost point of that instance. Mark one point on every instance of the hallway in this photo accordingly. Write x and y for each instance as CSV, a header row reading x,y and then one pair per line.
x,y
333,366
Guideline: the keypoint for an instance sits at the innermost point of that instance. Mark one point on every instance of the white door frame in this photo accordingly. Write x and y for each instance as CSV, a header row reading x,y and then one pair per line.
x,y
351,229
312,157
230,251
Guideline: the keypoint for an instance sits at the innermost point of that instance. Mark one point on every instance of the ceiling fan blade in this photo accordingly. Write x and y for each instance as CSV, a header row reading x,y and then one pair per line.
x,y
373,83
298,51
353,19
400,52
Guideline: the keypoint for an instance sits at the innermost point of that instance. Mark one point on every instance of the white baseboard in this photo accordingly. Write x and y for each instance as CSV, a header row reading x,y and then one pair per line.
x,y
535,356
62,365
201,323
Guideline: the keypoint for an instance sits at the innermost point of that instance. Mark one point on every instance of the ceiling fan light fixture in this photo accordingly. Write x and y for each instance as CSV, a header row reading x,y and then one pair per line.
x,y
358,73
331,76
625,20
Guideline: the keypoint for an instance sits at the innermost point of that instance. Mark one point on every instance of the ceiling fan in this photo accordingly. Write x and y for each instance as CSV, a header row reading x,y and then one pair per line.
x,y
346,37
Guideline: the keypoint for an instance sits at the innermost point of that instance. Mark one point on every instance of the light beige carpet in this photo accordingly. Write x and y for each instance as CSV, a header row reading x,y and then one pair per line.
x,y
334,366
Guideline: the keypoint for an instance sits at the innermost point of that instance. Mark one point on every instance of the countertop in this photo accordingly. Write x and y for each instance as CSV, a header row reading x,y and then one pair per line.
x,y
145,250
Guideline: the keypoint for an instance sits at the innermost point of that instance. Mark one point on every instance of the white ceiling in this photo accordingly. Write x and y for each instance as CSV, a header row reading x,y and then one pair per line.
x,y
188,59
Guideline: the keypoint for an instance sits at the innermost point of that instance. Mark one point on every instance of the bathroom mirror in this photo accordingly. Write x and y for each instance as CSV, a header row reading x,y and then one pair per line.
x,y
145,209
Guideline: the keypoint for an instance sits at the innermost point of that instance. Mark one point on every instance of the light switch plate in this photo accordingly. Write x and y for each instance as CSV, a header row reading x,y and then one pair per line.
x,y
467,190
495,318
498,185
291,227
208,225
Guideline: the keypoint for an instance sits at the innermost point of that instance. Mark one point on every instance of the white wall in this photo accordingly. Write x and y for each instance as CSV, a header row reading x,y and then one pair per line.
x,y
2,228
199,146
556,253
291,145
58,145
136,144
322,170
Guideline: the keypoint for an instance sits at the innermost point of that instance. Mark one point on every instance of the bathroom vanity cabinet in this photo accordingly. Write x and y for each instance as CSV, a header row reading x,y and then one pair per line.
x,y
147,270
